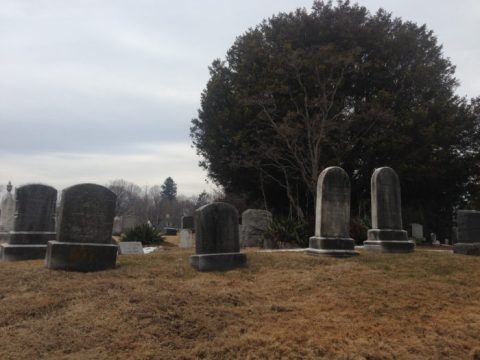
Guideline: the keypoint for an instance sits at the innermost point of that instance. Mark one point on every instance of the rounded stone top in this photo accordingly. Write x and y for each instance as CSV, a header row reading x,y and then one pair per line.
x,y
385,173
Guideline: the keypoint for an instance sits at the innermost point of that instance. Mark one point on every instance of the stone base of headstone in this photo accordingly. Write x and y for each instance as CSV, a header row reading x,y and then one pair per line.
x,y
393,241
324,246
4,236
82,257
13,252
31,237
467,249
218,262
186,239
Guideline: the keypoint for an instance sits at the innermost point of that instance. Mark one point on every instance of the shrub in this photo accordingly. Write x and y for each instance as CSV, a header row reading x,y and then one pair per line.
x,y
284,232
358,229
144,233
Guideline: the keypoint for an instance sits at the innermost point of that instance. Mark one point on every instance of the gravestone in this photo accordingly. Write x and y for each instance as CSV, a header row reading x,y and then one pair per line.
x,y
387,234
187,239
188,222
130,247
7,213
454,235
332,215
254,224
117,225
417,231
217,240
169,231
84,236
34,223
468,233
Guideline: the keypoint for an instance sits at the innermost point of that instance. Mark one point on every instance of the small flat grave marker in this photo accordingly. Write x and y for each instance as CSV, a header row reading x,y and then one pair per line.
x,y
130,247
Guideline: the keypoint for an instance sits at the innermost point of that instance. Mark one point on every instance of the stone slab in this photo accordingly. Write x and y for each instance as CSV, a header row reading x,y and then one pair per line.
x,y
387,235
218,262
31,237
389,246
326,243
472,249
130,247
83,257
468,222
22,252
332,252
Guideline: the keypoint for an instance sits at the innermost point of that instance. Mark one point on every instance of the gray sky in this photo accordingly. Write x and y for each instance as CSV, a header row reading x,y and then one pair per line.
x,y
95,90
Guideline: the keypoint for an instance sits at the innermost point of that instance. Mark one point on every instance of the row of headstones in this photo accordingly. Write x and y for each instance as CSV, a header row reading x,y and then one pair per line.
x,y
83,238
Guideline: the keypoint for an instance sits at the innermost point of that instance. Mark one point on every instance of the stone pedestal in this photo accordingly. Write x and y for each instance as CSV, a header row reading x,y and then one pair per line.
x,y
387,234
217,240
22,252
332,215
82,257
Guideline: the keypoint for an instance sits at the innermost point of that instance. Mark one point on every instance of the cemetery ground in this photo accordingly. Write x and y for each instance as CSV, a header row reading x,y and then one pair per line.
x,y
424,305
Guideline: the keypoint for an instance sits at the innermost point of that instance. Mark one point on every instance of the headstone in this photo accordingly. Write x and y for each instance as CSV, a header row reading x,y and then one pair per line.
x,y
468,233
332,215
417,231
217,239
187,239
169,231
188,222
130,247
7,213
117,225
433,237
84,236
254,224
34,223
387,234
454,235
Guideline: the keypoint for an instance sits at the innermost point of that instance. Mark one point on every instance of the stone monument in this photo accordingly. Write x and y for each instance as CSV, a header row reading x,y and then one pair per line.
x,y
468,233
7,213
84,235
332,215
217,243
387,234
417,232
187,239
34,223
254,224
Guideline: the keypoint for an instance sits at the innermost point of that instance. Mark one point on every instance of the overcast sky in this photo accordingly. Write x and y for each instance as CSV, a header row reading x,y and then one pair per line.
x,y
96,90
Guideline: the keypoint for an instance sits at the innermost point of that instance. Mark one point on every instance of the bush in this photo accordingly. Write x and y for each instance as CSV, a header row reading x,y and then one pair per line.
x,y
284,232
144,233
358,229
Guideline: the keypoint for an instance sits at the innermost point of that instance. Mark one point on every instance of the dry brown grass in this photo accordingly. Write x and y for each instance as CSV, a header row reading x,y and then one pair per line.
x,y
284,305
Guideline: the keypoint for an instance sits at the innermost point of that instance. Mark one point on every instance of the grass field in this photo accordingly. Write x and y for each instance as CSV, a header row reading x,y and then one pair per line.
x,y
424,305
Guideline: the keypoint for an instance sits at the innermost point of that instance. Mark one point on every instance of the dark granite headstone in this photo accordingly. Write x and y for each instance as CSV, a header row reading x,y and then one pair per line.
x,y
332,219
34,223
254,224
387,234
169,231
217,239
468,233
84,236
188,222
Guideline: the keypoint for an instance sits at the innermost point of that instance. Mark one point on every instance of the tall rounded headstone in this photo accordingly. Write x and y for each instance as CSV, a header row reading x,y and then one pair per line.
x,y
387,234
468,233
7,213
332,218
84,235
217,240
34,223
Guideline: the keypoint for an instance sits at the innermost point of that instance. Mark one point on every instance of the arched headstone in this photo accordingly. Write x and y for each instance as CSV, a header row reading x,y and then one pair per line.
x,y
387,234
332,218
217,240
84,236
34,223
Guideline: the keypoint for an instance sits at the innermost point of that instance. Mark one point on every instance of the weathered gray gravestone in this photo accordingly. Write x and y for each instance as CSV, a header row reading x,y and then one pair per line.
x,y
332,218
188,222
84,236
34,223
7,213
254,224
187,239
130,247
468,233
387,234
417,231
217,243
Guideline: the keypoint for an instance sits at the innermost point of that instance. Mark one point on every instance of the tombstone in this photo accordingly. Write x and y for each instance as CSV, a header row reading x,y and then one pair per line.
x,y
130,247
454,235
34,223
84,236
187,239
387,234
433,237
254,224
188,222
332,215
417,231
169,231
468,233
217,242
117,225
7,213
